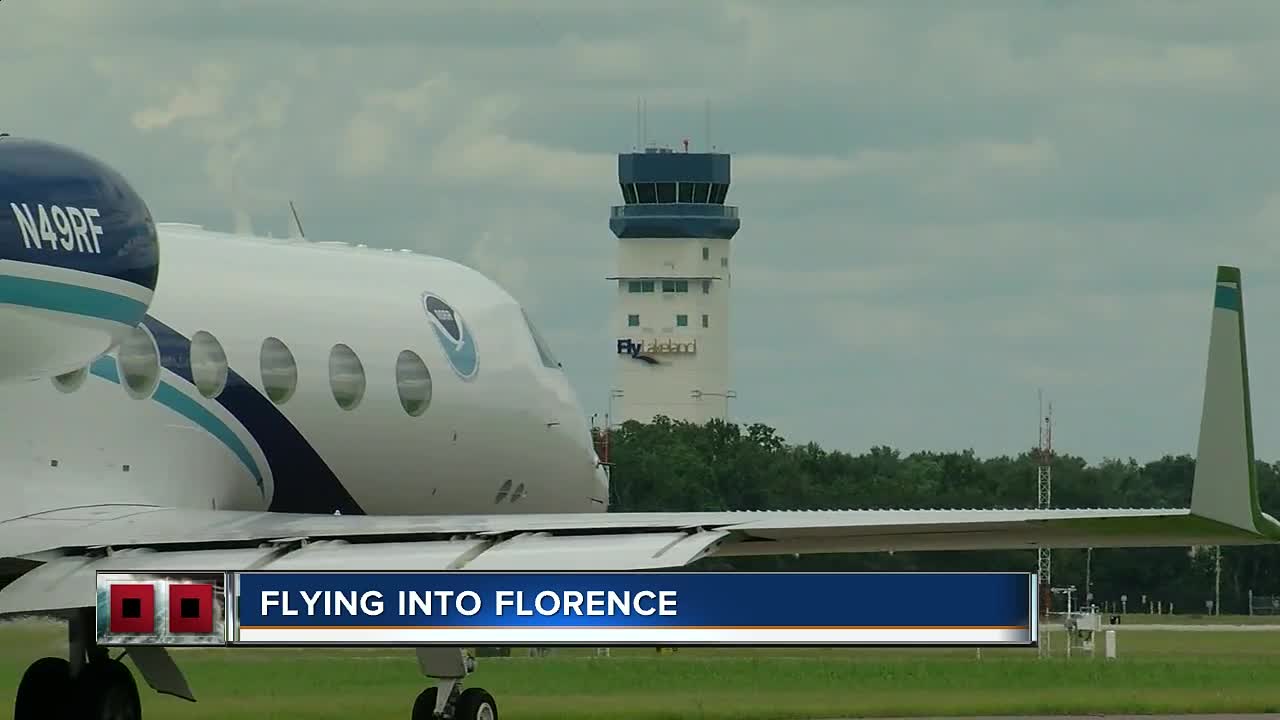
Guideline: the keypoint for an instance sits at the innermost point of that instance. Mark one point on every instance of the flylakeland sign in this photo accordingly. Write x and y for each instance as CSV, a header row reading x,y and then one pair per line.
x,y
642,350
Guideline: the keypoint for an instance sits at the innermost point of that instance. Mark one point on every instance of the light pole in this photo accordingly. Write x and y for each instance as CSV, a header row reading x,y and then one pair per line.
x,y
1217,580
608,417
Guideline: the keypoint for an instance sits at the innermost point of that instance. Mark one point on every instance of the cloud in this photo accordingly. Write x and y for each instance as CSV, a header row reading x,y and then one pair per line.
x,y
204,97
942,207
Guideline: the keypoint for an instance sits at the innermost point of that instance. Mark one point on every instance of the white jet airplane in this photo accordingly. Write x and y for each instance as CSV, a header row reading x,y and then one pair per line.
x,y
284,404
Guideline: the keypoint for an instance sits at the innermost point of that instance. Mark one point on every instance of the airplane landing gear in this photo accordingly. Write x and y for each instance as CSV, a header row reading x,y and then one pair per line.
x,y
92,686
447,699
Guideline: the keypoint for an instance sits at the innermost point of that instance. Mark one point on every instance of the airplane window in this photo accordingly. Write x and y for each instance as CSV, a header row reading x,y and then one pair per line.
x,y
208,364
346,377
71,381
544,350
413,382
139,363
279,371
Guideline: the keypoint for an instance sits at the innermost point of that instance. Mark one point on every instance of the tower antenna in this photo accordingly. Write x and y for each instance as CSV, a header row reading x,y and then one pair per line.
x,y
645,123
639,146
707,119
1044,487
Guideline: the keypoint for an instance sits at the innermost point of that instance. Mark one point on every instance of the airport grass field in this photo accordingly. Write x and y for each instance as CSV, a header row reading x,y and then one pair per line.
x,y
1157,671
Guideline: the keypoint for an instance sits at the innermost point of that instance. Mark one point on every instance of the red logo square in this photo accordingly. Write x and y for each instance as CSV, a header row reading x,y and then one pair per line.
x,y
133,608
191,608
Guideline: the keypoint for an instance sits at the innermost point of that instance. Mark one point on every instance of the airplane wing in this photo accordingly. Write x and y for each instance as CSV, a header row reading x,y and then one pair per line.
x,y
59,551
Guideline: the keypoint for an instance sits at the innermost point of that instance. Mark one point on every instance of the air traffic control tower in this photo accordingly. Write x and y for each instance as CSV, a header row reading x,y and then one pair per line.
x,y
672,314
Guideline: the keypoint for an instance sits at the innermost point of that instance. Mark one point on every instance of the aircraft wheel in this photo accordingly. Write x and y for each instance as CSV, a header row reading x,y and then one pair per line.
x,y
475,704
106,691
44,691
424,708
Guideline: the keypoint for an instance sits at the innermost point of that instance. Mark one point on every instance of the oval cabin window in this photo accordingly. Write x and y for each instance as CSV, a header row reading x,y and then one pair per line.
x,y
208,364
346,377
279,371
139,363
413,382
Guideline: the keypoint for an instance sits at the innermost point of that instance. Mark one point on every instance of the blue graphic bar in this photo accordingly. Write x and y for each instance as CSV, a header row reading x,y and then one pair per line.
x,y
643,608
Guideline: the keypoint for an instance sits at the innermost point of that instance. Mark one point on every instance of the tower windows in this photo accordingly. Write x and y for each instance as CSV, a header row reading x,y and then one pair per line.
x,y
675,286
640,286
724,262
208,364
346,377
139,363
682,321
279,371
649,193
706,253
413,382
704,320
706,287
633,321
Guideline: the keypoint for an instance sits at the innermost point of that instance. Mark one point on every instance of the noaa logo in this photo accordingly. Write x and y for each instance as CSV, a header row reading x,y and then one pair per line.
x,y
456,340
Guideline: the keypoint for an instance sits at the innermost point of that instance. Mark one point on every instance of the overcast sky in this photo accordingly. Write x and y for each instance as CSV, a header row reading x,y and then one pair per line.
x,y
946,205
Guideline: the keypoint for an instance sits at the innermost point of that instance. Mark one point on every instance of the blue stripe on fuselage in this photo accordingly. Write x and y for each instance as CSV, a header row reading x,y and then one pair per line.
x,y
68,298
303,482
173,398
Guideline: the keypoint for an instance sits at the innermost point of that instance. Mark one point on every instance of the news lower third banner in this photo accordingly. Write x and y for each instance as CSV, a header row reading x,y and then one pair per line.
x,y
568,608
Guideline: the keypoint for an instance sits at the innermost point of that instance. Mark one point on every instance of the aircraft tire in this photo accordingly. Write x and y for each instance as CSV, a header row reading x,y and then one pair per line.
x,y
106,690
475,704
424,707
44,691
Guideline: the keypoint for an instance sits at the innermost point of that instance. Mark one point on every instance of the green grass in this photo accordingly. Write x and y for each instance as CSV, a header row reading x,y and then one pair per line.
x,y
1156,672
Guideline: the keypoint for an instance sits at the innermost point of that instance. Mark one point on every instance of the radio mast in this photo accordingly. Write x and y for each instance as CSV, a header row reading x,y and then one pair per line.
x,y
1044,485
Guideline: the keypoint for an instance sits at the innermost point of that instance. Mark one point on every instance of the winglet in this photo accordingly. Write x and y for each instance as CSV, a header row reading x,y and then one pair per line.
x,y
1225,488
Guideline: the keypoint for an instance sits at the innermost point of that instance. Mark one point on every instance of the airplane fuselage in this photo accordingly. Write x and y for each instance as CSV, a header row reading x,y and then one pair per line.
x,y
275,374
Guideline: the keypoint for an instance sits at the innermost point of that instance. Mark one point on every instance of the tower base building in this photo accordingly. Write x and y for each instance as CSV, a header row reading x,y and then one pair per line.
x,y
673,279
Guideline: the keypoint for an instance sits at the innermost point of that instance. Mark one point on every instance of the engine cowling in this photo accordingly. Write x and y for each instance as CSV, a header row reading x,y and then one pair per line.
x,y
79,259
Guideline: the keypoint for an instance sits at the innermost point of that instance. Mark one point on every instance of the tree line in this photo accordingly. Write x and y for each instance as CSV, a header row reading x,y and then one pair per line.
x,y
668,465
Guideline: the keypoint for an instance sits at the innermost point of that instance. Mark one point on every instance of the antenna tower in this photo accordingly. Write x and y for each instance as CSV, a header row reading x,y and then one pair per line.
x,y
1044,486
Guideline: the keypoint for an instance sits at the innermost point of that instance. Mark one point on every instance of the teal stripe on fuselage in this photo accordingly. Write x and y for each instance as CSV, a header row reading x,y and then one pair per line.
x,y
68,298
1227,298
172,398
